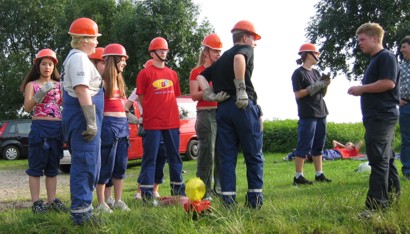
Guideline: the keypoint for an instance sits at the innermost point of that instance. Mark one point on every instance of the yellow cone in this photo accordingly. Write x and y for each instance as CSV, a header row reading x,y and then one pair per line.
x,y
195,189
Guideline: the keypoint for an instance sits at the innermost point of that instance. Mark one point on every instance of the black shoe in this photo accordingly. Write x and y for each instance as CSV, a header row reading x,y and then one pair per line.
x,y
301,180
322,178
58,206
39,207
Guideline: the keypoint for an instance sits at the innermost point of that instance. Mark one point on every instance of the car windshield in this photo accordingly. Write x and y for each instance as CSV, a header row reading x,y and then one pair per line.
x,y
187,110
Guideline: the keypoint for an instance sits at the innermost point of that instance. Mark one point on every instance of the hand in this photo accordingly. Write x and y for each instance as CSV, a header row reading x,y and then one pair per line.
x,y
325,76
132,119
141,131
41,94
317,86
90,119
209,95
242,99
355,90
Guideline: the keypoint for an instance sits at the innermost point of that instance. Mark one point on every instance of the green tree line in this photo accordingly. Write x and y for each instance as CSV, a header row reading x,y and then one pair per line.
x,y
27,26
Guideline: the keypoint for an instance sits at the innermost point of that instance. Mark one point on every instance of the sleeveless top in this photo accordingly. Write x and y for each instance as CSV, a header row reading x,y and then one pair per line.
x,y
50,107
114,104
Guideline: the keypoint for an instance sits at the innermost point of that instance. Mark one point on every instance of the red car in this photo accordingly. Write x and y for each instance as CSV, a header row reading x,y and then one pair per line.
x,y
188,139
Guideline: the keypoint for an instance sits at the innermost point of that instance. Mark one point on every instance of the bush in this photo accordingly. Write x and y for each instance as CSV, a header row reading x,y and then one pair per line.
x,y
282,135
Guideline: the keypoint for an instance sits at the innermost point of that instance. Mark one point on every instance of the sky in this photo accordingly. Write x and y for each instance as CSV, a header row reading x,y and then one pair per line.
x,y
282,27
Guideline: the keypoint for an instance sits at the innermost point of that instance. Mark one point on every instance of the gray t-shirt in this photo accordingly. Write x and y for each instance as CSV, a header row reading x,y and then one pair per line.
x,y
79,70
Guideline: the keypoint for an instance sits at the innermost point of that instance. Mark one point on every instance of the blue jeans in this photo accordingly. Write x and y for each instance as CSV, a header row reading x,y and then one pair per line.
x,y
404,121
151,143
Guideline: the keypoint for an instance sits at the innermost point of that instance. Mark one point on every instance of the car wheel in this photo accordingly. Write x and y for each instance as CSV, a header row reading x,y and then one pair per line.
x,y
11,152
65,168
192,151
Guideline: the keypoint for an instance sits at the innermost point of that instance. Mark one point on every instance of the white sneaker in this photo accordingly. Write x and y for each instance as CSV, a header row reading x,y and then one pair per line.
x,y
110,202
156,194
103,208
120,205
137,196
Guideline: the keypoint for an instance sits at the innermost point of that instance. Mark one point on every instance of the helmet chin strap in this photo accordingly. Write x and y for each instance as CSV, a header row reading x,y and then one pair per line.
x,y
314,56
163,60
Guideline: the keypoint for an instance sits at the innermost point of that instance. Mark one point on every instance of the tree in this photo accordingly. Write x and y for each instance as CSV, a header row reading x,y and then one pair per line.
x,y
334,25
174,20
27,26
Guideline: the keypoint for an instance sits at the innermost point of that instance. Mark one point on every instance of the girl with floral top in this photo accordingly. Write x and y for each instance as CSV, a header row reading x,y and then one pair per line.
x,y
41,88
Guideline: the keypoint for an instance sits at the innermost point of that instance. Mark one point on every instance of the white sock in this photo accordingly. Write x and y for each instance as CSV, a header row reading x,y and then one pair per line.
x,y
298,174
318,173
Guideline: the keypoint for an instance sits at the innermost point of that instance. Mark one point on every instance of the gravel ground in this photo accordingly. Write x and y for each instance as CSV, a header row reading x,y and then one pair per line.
x,y
15,192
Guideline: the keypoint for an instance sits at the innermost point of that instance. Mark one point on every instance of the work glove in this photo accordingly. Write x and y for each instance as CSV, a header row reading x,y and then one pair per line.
x,y
325,77
90,119
317,86
242,99
141,131
209,95
132,119
40,95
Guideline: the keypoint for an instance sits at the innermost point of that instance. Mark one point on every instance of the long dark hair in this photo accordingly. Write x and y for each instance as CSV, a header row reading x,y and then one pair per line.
x,y
34,74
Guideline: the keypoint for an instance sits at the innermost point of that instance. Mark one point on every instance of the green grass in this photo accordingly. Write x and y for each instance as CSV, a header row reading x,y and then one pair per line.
x,y
20,164
321,208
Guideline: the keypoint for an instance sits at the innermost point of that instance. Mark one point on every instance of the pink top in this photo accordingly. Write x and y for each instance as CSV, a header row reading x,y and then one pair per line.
x,y
50,107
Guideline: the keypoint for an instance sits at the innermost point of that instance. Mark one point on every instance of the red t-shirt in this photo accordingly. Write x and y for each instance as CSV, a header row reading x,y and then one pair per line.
x,y
347,153
160,87
194,73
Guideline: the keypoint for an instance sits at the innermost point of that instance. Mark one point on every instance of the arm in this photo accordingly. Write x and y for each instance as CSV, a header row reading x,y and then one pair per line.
x,y
239,66
301,93
83,94
379,86
195,92
29,103
358,145
336,143
202,82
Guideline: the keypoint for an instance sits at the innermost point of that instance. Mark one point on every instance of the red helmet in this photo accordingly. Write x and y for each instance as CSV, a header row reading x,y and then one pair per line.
x,y
212,41
46,53
97,55
84,27
308,47
115,49
158,43
148,63
246,26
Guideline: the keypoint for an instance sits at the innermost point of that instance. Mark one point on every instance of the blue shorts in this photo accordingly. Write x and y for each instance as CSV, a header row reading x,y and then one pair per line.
x,y
311,137
45,148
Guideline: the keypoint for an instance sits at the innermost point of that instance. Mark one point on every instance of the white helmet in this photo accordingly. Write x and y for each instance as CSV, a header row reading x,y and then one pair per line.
x,y
364,167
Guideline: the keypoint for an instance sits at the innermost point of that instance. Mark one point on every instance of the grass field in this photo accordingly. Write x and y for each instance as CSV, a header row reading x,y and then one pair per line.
x,y
321,208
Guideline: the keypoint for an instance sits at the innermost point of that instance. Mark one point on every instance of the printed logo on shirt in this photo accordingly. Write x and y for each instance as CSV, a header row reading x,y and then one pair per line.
x,y
162,84
80,73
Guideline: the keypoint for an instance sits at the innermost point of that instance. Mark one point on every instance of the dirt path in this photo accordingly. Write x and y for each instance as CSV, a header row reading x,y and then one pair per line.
x,y
15,192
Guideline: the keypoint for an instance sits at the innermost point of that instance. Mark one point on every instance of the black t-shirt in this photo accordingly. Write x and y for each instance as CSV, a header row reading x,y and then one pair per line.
x,y
221,72
308,106
383,65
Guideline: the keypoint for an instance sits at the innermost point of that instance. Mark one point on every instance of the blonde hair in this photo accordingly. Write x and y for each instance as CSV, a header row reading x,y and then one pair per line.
x,y
371,30
202,56
76,41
